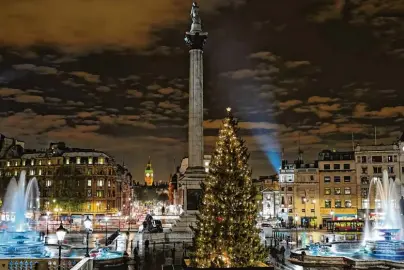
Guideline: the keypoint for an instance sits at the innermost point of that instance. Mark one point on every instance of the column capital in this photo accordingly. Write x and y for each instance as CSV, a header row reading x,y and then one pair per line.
x,y
196,40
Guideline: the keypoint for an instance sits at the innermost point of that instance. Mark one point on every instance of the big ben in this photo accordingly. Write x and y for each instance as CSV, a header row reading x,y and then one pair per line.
x,y
148,174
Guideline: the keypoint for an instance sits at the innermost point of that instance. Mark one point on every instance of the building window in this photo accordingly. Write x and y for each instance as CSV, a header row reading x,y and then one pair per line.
x,y
78,160
364,159
364,180
389,158
347,178
347,191
15,172
23,162
327,203
327,179
364,170
377,159
312,210
347,166
40,162
109,183
377,169
90,160
101,160
327,191
312,177
337,191
100,183
49,162
89,206
40,172
303,210
16,163
327,167
290,189
348,203
31,172
100,193
364,192
395,158
337,179
365,203
390,169
67,161
337,203
48,183
32,162
89,193
337,166
89,182
78,182
8,163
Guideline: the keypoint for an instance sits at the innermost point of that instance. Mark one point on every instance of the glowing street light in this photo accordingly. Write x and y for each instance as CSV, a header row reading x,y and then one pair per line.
x,y
87,225
60,234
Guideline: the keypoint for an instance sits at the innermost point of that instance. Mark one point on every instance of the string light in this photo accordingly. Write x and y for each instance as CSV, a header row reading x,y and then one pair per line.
x,y
226,235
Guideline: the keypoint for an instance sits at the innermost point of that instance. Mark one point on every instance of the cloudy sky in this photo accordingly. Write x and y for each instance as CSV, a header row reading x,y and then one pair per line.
x,y
113,75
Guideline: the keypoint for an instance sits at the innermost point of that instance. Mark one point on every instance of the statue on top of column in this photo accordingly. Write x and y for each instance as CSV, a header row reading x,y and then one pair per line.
x,y
195,14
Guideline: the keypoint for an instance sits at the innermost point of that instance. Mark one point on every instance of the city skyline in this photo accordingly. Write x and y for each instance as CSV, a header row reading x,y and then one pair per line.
x,y
115,79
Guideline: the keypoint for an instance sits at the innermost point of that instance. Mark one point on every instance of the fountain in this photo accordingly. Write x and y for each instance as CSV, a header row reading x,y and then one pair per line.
x,y
383,237
18,240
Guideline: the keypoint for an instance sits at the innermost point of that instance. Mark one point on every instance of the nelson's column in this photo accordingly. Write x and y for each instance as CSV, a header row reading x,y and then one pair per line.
x,y
190,183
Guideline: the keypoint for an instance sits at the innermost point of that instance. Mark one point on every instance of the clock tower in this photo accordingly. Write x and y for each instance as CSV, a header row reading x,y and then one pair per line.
x,y
148,174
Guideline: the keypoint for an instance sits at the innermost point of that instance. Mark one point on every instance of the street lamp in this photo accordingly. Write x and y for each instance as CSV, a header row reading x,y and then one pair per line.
x,y
314,214
106,231
87,225
332,221
60,234
297,240
119,220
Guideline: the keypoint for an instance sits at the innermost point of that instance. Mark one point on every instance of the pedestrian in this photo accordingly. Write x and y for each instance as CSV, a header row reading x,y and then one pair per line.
x,y
326,239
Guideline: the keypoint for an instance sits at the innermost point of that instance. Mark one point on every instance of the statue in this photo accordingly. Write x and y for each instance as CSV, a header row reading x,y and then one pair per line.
x,y
195,14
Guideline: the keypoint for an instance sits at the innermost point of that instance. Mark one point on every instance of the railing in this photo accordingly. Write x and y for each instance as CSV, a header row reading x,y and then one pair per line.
x,y
37,264
84,264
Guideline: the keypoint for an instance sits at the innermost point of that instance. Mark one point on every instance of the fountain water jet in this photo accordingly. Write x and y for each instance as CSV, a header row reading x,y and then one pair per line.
x,y
18,240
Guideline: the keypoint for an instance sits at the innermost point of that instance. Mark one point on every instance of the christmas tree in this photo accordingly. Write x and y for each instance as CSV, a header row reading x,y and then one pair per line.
x,y
226,233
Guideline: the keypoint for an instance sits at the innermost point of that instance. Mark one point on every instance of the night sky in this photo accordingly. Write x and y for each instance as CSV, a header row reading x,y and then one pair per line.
x,y
113,75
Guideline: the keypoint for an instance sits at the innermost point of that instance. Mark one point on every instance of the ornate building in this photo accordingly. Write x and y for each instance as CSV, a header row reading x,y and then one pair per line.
x,y
148,174
71,180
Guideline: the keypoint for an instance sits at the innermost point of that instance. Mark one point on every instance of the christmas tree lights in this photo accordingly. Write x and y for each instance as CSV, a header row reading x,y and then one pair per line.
x,y
226,234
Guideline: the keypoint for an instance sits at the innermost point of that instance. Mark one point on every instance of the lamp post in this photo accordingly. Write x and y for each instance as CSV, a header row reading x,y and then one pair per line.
x,y
106,231
60,234
87,225
119,220
314,214
297,239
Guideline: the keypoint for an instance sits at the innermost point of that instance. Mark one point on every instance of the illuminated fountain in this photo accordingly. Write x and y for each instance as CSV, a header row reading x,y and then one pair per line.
x,y
385,239
18,240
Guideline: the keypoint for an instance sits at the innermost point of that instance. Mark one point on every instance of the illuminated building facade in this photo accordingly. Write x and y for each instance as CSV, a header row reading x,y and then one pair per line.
x,y
71,180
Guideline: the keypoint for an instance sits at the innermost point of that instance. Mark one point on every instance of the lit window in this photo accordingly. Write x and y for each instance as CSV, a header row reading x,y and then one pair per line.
x,y
40,172
347,190
365,203
100,193
23,162
327,203
8,163
348,203
16,163
67,161
337,203
89,183
90,160
31,172
32,162
39,162
101,160
48,183
78,160
327,191
109,183
337,191
15,172
100,183
207,170
49,162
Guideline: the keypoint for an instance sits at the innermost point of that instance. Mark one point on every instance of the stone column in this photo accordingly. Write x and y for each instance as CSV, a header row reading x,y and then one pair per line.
x,y
195,129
